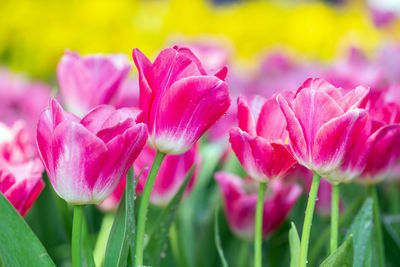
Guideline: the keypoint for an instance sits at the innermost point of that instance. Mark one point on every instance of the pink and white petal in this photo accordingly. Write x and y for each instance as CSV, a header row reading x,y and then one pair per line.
x,y
144,67
335,139
271,123
44,140
253,153
313,109
298,145
187,110
121,153
108,134
357,98
75,80
383,153
78,158
123,114
246,120
107,72
94,120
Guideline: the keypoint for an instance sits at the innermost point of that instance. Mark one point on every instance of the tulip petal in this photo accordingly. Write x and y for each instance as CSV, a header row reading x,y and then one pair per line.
x,y
271,123
221,74
383,152
246,120
357,98
144,67
187,110
261,160
94,120
296,135
121,153
78,155
337,138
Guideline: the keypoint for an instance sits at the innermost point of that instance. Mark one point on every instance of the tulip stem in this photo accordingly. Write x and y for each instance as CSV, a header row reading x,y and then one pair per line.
x,y
334,217
258,226
144,204
305,236
378,226
77,235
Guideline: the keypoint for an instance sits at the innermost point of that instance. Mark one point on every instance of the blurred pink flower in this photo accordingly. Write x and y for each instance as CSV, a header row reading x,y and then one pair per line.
x,y
260,141
240,199
86,159
91,80
21,99
326,128
20,171
180,101
354,70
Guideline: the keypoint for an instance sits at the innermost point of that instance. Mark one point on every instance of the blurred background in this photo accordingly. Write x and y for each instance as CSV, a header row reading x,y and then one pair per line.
x,y
34,34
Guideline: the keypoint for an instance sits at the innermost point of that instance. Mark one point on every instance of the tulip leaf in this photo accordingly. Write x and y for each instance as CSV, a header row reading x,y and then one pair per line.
x,y
87,247
121,239
294,243
217,240
361,230
157,244
342,257
18,244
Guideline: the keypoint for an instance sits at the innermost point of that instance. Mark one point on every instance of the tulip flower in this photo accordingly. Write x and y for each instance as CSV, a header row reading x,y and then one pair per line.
x,y
240,198
21,183
180,101
20,171
86,159
92,80
326,128
170,177
259,141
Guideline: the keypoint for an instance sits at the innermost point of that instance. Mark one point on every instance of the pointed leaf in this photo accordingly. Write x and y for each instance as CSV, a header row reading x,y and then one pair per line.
x,y
158,238
121,239
18,244
294,243
218,240
361,230
342,257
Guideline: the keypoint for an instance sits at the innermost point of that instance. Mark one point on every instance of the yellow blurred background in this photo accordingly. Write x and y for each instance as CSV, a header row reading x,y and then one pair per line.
x,y
34,34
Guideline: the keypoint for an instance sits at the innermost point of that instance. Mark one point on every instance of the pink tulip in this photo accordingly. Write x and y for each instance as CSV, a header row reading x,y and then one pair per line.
x,y
381,151
260,140
20,171
327,128
180,101
92,80
171,174
240,198
86,159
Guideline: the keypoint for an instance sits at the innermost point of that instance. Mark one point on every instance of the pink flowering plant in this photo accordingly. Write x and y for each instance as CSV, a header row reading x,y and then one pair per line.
x,y
173,160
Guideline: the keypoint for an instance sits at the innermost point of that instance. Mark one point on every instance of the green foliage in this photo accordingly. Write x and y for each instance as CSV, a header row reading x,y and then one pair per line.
x,y
342,257
18,244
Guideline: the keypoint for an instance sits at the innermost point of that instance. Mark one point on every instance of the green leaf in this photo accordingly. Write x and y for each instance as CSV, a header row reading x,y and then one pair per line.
x,y
218,240
294,243
158,238
121,239
18,244
342,257
361,230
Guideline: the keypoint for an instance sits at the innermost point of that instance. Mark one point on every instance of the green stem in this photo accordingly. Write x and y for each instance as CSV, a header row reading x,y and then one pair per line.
x,y
258,226
305,236
144,204
378,227
334,217
77,227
